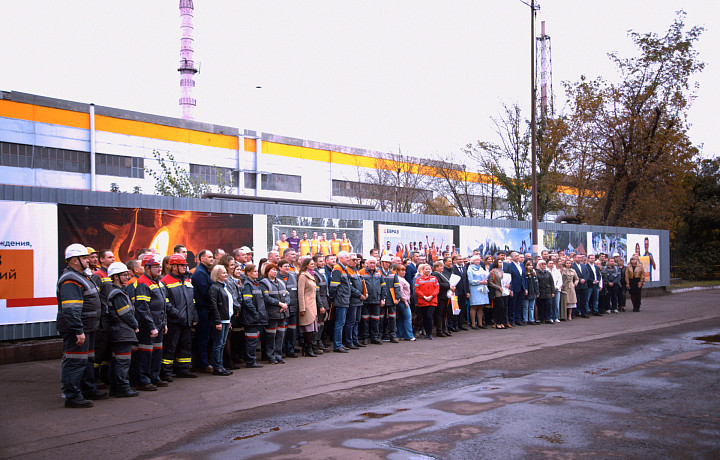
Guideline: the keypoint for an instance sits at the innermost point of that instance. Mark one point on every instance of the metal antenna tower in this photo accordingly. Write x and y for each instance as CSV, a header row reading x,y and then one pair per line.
x,y
187,65
546,91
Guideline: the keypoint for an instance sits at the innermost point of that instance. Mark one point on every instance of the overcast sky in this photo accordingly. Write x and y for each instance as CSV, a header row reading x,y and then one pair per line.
x,y
421,75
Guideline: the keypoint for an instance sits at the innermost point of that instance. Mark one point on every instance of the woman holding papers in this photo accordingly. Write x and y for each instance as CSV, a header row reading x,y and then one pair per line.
x,y
477,279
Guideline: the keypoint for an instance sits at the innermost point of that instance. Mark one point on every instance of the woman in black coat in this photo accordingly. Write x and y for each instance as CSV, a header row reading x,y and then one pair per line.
x,y
253,315
441,309
546,291
223,306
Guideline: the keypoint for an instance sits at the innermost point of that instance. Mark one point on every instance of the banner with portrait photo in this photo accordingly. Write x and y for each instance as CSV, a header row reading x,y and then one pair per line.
x,y
490,240
125,230
648,249
28,247
400,240
309,235
562,240
609,243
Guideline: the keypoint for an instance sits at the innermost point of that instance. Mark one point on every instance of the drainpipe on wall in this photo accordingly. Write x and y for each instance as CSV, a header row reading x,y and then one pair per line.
x,y
92,148
258,151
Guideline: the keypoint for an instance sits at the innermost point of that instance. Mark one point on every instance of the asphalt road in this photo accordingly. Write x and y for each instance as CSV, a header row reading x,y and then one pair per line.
x,y
634,385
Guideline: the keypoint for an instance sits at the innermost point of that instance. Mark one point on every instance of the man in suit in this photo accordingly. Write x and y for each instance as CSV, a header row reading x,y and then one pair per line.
x,y
518,288
593,286
581,290
462,291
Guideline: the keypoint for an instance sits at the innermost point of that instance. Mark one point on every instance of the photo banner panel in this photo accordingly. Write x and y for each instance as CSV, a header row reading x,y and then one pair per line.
x,y
563,240
28,246
279,225
609,243
648,249
490,240
125,231
400,240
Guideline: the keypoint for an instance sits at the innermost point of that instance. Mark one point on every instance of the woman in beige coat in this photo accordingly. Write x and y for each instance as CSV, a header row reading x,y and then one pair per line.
x,y
570,280
307,291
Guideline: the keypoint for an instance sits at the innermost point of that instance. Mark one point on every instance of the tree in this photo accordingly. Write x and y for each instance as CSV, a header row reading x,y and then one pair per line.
x,y
457,186
173,180
696,238
397,183
635,132
509,161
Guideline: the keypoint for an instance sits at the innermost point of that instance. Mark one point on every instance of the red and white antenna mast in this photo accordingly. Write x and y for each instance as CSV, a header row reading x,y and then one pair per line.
x,y
187,65
546,91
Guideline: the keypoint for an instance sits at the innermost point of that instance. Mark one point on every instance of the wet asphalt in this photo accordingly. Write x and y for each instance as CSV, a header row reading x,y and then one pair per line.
x,y
652,395
634,385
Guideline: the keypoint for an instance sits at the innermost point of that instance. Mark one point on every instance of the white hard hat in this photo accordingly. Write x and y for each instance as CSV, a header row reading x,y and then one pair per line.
x,y
116,268
75,250
386,258
246,250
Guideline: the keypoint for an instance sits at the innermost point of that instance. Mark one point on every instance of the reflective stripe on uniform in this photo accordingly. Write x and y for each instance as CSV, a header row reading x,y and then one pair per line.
x,y
76,355
122,356
146,298
167,361
145,347
253,335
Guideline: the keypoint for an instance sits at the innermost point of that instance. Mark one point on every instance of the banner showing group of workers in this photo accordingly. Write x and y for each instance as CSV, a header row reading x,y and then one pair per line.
x,y
33,237
310,235
401,240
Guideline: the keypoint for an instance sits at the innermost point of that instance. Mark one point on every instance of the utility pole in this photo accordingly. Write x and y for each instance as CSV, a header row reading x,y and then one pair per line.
x,y
532,131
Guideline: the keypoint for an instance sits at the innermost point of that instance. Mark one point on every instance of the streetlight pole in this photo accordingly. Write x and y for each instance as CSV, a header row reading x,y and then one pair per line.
x,y
532,132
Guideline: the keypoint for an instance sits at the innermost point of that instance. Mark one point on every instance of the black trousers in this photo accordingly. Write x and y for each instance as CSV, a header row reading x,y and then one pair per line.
x,y
76,370
499,308
635,294
370,321
440,315
119,366
177,349
427,318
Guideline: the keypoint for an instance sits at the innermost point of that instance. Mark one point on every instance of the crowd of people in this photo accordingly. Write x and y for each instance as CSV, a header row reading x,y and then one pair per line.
x,y
137,326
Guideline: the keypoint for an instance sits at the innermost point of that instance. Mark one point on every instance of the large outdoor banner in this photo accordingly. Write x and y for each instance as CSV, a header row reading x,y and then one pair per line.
x,y
28,247
125,231
562,240
609,243
400,240
490,240
309,235
648,249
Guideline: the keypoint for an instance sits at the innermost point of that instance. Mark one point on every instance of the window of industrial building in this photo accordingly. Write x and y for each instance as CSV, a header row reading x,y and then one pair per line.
x,y
250,180
121,166
281,183
213,175
32,156
344,188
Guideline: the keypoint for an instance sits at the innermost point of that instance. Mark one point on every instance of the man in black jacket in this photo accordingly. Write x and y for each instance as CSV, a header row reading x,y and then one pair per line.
x,y
201,283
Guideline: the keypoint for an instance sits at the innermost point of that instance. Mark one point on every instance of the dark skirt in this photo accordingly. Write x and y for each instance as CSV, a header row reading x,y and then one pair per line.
x,y
312,327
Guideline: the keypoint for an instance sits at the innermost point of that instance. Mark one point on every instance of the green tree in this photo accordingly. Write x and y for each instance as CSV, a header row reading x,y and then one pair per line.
x,y
174,180
633,134
696,239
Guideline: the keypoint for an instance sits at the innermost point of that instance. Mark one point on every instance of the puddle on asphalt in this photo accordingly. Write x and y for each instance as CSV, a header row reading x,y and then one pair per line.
x,y
374,415
240,438
709,338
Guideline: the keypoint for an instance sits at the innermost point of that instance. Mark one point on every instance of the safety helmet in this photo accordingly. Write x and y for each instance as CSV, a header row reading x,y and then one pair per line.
x,y
386,258
75,250
151,259
177,259
116,268
91,250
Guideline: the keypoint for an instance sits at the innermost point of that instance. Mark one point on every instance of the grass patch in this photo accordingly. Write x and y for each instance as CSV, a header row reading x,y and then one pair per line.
x,y
691,284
